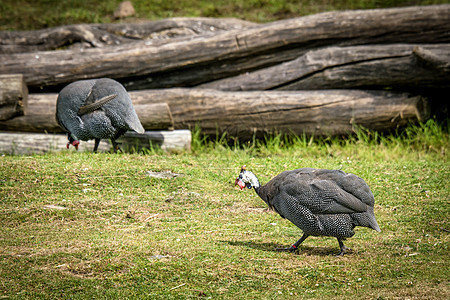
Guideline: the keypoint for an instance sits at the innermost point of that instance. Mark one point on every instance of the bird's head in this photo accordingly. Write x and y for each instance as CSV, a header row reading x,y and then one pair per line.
x,y
246,179
72,141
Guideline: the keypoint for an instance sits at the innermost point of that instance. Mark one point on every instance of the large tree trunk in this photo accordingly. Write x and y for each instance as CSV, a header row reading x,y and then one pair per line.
x,y
13,96
201,59
402,66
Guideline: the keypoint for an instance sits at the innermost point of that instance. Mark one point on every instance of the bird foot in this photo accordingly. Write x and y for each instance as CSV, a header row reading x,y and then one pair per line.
x,y
117,149
343,251
289,249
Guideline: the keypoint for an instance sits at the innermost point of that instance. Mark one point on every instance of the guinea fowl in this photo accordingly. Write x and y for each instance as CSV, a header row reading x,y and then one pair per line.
x,y
320,202
96,109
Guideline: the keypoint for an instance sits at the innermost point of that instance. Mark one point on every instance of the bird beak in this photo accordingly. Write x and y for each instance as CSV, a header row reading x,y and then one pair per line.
x,y
240,183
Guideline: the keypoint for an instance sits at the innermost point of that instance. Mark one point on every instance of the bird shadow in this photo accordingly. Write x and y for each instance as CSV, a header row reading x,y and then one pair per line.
x,y
272,247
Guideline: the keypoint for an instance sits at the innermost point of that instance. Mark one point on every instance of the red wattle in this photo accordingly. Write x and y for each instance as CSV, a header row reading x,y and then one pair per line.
x,y
240,183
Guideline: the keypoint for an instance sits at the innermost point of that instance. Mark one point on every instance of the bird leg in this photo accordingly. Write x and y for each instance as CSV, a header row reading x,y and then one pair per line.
x,y
97,141
115,145
343,248
294,247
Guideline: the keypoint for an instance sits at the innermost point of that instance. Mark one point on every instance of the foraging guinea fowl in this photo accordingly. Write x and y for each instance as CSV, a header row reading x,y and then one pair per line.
x,y
320,202
96,109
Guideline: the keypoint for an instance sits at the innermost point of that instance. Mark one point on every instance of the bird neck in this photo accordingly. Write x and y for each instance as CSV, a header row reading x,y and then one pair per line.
x,y
261,191
257,189
75,126
254,182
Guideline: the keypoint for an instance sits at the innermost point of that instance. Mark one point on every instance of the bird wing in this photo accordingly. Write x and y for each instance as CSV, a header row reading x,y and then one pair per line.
x,y
321,196
334,199
121,113
356,186
92,106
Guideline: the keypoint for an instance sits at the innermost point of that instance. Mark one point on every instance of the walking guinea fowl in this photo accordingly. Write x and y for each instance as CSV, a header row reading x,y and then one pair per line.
x,y
96,109
320,202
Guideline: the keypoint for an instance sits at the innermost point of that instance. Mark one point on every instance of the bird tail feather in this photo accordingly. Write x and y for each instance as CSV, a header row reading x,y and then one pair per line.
x,y
373,222
366,219
96,105
138,127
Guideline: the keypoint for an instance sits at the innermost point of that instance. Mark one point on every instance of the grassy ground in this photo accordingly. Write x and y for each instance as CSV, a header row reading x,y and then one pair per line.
x,y
26,15
83,225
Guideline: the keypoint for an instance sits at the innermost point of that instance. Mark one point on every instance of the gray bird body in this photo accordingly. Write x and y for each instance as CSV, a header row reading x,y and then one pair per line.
x,y
96,109
320,202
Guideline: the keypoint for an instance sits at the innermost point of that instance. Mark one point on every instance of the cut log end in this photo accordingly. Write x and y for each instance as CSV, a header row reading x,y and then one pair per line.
x,y
13,96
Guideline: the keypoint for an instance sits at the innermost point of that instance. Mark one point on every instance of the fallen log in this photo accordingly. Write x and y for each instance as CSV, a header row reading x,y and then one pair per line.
x,y
202,59
20,143
174,140
37,143
245,114
256,113
99,35
402,66
13,96
42,109
437,61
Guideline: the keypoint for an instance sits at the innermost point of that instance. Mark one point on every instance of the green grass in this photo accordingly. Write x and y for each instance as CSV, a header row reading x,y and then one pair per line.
x,y
123,234
27,15
82,225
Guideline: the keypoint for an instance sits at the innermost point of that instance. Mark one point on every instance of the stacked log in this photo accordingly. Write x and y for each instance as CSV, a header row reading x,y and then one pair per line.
x,y
42,111
320,74
99,35
257,113
400,66
253,113
37,143
202,58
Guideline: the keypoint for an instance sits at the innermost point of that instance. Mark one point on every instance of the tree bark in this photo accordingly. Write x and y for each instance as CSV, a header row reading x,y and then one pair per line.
x,y
402,66
36,143
100,35
42,110
174,140
256,113
247,114
13,96
203,58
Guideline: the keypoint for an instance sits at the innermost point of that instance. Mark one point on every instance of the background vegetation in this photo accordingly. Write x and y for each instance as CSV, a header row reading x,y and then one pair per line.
x,y
27,15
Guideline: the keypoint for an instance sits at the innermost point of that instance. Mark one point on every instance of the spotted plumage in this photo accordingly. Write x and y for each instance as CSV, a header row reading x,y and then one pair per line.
x,y
96,109
320,202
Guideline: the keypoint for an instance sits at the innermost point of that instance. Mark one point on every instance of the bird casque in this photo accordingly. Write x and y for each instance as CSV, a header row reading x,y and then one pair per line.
x,y
96,109
320,202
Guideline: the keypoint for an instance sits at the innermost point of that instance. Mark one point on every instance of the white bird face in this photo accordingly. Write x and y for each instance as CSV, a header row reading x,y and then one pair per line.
x,y
246,179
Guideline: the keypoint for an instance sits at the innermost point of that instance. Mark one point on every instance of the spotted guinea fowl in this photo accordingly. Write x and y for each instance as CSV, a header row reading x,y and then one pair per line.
x,y
96,109
320,202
